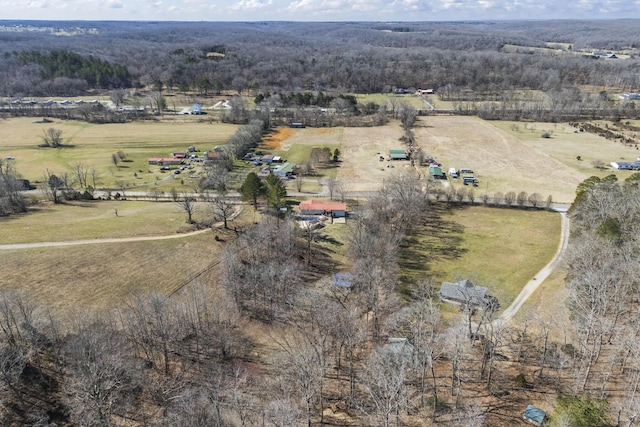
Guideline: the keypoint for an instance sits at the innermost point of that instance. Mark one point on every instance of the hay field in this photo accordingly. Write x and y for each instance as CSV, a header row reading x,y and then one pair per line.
x,y
102,276
566,143
47,222
94,144
501,161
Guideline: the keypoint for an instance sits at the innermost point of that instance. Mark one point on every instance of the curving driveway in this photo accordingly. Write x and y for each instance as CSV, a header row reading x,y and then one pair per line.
x,y
540,277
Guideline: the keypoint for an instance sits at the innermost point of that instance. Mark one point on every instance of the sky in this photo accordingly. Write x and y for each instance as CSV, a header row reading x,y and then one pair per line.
x,y
316,10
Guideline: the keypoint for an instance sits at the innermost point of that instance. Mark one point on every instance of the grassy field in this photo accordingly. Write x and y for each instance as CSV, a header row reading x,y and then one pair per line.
x,y
388,99
96,220
102,276
499,248
566,144
94,144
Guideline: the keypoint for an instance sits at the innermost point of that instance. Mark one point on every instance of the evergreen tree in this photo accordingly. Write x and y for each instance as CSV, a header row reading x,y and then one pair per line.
x,y
252,189
276,191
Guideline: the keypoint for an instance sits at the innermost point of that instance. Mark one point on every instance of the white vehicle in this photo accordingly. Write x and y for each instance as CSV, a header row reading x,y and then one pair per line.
x,y
453,173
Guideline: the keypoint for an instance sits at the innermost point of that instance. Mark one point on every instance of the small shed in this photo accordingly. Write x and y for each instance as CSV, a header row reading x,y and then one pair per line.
x,y
398,154
534,415
436,172
343,280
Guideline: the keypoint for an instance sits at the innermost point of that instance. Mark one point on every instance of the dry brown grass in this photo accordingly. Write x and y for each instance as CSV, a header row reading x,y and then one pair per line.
x,y
500,161
102,276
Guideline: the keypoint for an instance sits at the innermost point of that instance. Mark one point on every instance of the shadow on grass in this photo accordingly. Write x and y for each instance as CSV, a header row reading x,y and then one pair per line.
x,y
437,238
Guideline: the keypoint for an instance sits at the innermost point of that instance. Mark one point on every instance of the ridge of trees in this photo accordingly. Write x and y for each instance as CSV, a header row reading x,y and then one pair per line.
x,y
96,73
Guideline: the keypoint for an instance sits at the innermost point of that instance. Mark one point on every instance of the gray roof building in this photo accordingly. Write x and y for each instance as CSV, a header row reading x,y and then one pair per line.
x,y
464,292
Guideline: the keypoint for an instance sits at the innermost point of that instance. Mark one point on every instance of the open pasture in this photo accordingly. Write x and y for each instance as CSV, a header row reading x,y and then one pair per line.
x,y
102,276
501,161
567,143
94,145
96,220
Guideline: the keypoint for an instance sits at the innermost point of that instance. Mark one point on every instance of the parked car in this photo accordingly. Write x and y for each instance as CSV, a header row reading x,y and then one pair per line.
x,y
461,171
466,180
453,173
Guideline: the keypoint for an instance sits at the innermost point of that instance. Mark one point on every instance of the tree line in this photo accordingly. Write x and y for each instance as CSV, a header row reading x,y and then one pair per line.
x,y
448,57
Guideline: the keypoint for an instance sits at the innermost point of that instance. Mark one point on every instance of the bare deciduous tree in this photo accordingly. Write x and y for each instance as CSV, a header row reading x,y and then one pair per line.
x,y
188,204
52,137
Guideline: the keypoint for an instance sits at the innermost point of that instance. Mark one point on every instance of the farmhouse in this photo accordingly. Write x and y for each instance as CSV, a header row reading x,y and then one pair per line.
x,y
626,165
398,155
162,161
318,207
465,292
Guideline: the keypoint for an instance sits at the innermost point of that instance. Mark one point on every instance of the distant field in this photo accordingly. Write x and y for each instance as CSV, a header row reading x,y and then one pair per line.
x,y
566,143
388,99
94,145
501,160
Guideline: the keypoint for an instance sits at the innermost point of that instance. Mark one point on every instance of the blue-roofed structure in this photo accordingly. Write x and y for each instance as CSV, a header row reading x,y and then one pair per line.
x,y
343,280
196,109
534,415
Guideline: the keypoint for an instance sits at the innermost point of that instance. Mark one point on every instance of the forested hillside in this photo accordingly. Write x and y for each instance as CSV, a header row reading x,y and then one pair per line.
x,y
354,57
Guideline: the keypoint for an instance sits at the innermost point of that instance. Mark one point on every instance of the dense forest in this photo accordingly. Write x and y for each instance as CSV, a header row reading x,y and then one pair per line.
x,y
345,57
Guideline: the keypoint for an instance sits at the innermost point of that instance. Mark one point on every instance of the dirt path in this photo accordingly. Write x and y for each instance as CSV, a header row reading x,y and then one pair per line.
x,y
98,241
539,278
115,240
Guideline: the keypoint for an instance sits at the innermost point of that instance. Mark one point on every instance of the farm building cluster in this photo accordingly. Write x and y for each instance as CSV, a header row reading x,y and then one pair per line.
x,y
271,164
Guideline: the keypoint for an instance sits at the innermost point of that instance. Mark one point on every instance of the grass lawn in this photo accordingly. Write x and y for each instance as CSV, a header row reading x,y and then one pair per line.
x,y
498,248
548,301
94,144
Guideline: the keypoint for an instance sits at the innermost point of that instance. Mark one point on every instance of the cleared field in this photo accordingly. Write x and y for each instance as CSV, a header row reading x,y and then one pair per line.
x,y
500,160
391,99
96,220
94,144
499,248
361,167
567,143
102,276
